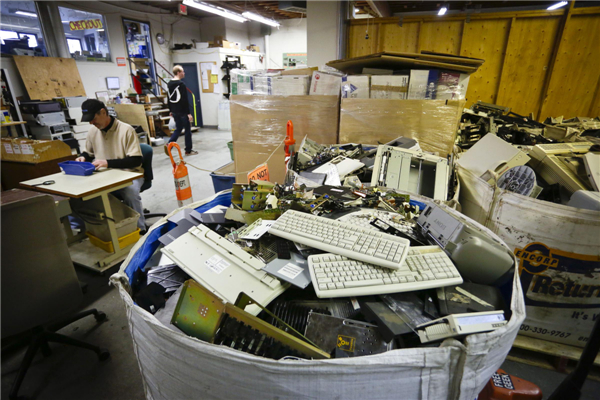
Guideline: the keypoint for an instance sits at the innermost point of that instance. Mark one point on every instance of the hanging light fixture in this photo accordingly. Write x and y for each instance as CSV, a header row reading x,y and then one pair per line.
x,y
557,5
443,9
261,19
26,13
215,10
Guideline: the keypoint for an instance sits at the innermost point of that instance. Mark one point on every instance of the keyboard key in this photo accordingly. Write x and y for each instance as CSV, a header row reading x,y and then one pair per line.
x,y
370,282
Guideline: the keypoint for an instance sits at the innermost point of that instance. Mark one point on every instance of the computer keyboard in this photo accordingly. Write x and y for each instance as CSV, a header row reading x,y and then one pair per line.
x,y
426,267
342,238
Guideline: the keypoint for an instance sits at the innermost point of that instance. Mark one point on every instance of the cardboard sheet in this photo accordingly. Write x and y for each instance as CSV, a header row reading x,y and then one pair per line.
x,y
258,127
433,123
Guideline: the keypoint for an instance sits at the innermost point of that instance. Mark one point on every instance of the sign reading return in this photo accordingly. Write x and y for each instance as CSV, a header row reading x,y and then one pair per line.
x,y
85,24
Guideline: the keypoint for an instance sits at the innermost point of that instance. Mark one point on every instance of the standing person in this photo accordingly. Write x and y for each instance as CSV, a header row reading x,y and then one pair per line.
x,y
111,143
180,109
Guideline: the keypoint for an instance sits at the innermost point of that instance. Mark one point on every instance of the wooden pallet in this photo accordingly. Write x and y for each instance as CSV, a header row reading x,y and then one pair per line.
x,y
549,355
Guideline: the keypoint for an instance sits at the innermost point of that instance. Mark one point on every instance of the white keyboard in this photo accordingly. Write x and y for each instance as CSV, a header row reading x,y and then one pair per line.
x,y
342,238
426,267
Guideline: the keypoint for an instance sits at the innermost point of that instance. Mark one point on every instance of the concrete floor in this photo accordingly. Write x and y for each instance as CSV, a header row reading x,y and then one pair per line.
x,y
72,373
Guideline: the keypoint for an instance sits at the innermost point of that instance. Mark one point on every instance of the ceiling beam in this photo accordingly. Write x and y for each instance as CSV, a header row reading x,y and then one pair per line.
x,y
382,8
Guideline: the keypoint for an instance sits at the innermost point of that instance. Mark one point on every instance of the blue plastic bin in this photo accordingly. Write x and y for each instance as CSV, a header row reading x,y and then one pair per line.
x,y
224,177
77,167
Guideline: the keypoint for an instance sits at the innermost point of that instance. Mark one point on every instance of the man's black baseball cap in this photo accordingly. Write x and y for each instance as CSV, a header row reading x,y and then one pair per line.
x,y
89,108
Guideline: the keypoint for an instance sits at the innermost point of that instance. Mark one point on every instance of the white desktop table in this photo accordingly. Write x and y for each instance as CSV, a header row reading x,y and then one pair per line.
x,y
99,184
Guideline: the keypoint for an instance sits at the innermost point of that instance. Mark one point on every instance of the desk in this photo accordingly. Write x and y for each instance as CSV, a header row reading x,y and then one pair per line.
x,y
100,184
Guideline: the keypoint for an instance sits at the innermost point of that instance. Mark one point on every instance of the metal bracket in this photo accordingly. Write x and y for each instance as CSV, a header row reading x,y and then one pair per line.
x,y
468,18
400,21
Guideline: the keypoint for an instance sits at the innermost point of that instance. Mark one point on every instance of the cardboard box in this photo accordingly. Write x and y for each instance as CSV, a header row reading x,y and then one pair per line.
x,y
423,84
289,85
452,86
356,87
218,41
389,87
299,71
241,82
433,123
261,85
33,151
258,127
325,84
253,48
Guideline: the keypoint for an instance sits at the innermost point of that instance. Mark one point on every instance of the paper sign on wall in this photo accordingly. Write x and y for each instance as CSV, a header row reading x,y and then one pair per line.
x,y
121,62
214,79
86,24
260,173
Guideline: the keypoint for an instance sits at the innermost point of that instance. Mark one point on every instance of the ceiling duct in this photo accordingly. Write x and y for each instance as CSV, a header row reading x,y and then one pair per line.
x,y
293,6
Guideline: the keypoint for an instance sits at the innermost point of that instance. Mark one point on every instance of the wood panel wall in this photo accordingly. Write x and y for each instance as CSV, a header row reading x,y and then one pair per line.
x,y
546,63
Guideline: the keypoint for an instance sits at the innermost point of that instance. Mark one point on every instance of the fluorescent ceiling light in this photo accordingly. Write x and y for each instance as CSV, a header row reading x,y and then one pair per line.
x,y
443,10
356,10
256,17
215,10
557,5
26,13
2,25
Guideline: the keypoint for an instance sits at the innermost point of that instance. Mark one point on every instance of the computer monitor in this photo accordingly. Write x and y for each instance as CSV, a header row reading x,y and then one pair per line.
x,y
113,83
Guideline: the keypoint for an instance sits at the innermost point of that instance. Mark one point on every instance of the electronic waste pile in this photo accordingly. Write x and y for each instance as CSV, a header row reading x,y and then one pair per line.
x,y
349,256
556,161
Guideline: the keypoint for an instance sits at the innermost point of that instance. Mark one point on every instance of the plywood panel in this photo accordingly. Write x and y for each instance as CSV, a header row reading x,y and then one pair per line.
x,y
132,114
358,45
526,64
485,39
49,77
576,70
441,37
402,39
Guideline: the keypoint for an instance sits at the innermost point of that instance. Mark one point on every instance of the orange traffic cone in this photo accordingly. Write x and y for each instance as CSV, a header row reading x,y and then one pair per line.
x,y
183,189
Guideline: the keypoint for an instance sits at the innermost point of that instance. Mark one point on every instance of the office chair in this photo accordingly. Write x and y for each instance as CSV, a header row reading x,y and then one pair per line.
x,y
147,154
39,284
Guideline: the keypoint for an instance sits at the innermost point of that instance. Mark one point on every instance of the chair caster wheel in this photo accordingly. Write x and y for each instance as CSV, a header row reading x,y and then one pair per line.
x,y
100,317
103,355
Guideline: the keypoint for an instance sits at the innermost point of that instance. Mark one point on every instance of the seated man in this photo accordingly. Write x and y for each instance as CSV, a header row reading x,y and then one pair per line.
x,y
111,143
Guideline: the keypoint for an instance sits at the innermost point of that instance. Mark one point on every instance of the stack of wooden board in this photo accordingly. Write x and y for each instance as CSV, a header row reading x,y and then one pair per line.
x,y
407,61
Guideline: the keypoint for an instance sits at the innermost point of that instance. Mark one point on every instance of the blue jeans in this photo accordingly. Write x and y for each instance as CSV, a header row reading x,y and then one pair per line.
x,y
182,122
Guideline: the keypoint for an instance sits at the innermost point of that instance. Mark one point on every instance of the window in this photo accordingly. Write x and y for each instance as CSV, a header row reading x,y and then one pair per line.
x,y
86,34
31,39
8,35
20,31
74,46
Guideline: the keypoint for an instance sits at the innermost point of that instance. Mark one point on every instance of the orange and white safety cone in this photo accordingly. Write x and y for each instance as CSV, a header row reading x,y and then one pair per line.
x,y
183,189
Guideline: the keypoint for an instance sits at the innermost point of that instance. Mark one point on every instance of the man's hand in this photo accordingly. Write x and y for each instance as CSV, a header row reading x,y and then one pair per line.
x,y
170,114
80,159
190,117
100,164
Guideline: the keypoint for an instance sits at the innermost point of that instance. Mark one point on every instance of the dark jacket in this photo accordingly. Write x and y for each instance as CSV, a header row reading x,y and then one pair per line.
x,y
178,97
